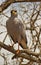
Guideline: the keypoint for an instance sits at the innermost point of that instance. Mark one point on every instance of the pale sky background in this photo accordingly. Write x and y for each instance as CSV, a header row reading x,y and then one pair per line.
x,y
3,21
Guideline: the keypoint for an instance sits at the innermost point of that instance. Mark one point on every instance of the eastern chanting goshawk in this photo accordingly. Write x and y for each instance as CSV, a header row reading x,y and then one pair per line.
x,y
16,30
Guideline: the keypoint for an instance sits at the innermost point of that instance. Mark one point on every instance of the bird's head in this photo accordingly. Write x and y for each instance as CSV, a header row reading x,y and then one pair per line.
x,y
14,13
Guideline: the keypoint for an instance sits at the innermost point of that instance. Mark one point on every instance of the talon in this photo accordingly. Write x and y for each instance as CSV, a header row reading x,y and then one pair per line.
x,y
18,51
10,46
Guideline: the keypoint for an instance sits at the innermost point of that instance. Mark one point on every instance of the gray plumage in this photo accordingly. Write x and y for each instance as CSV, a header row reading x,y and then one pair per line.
x,y
15,29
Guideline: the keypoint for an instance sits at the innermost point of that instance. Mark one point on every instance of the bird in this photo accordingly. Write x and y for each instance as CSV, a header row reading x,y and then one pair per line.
x,y
16,30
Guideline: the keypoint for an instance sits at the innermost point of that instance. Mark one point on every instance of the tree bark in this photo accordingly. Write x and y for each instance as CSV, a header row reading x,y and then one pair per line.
x,y
26,56
4,5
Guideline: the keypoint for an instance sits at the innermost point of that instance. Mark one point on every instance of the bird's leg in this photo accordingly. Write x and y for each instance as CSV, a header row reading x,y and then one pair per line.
x,y
18,46
18,51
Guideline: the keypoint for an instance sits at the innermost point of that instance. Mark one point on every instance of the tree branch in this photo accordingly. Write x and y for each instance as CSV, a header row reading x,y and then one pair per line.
x,y
26,56
4,5
6,47
11,49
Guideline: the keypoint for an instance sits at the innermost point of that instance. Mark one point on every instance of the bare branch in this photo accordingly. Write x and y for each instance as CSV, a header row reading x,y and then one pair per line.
x,y
20,55
5,38
5,15
4,5
3,32
30,63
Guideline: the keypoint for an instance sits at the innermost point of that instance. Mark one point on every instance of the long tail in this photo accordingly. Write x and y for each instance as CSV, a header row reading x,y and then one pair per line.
x,y
23,44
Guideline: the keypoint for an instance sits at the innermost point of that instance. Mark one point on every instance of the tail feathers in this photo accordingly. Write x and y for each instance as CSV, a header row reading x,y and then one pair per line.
x,y
23,44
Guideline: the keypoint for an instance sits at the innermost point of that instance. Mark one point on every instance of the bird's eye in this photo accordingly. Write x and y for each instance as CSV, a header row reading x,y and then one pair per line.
x,y
15,11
